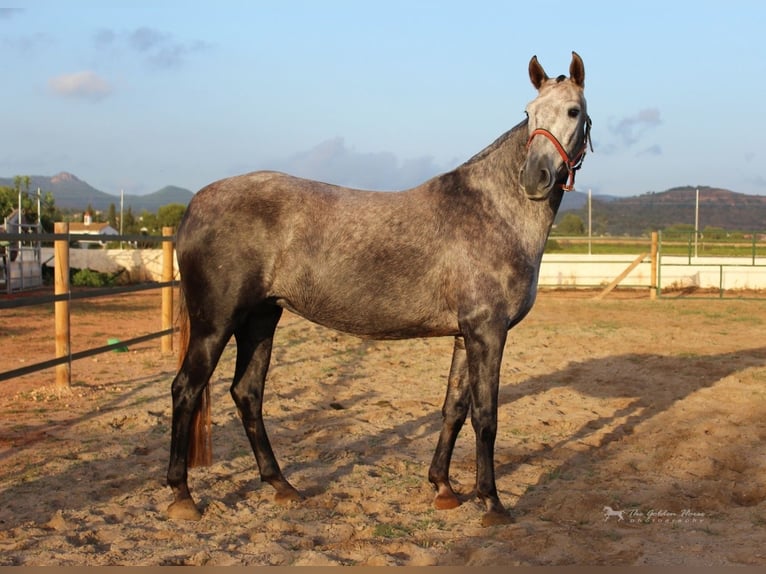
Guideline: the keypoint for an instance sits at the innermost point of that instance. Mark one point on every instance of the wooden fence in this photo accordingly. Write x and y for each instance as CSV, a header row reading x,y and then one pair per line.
x,y
63,295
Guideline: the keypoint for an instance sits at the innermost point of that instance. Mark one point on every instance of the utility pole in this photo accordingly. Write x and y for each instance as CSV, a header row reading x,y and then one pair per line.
x,y
122,200
590,221
696,221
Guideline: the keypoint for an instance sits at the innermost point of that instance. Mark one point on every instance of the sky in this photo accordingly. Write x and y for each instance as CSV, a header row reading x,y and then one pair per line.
x,y
378,94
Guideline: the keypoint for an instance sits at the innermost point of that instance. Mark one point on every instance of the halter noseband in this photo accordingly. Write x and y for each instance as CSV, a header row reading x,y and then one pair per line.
x,y
572,163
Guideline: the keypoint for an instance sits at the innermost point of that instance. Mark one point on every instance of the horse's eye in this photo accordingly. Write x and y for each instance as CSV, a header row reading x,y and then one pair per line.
x,y
573,112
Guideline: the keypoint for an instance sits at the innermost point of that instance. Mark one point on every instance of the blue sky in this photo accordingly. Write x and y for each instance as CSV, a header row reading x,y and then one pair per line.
x,y
136,95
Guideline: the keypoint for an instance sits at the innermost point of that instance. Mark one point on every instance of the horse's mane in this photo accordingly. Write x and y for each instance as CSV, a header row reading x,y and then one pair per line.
x,y
499,142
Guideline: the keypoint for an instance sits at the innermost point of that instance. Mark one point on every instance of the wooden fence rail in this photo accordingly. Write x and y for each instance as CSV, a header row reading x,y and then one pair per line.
x,y
63,296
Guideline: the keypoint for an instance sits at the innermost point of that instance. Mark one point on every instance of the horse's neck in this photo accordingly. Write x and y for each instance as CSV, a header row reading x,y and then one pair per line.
x,y
496,168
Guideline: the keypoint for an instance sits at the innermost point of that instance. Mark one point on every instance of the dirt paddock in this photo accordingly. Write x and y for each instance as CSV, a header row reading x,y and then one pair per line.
x,y
631,432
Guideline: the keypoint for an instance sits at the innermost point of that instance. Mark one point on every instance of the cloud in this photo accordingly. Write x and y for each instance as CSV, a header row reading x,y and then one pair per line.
x,y
145,39
86,85
104,38
758,181
8,13
630,129
331,161
159,49
652,150
29,44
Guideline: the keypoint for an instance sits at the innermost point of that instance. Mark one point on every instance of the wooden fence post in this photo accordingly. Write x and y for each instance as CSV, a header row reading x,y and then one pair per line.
x,y
653,286
61,287
636,262
167,292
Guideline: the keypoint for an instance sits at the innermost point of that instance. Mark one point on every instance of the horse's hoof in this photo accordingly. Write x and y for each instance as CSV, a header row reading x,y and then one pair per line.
x,y
445,498
288,496
446,501
495,517
184,510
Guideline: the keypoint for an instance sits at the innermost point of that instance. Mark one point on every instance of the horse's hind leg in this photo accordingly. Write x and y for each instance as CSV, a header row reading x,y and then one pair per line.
x,y
198,365
454,412
254,343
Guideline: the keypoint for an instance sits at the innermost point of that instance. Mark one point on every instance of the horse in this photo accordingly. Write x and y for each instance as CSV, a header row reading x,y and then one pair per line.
x,y
609,511
457,256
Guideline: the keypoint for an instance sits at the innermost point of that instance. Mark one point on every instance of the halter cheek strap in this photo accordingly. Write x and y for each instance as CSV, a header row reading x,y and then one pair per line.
x,y
572,163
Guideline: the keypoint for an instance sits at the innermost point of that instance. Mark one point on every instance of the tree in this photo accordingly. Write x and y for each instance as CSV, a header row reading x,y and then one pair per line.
x,y
684,230
711,232
19,180
570,224
9,201
49,212
148,223
111,216
170,215
131,225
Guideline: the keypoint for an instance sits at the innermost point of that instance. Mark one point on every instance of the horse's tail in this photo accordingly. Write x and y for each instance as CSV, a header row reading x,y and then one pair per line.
x,y
200,439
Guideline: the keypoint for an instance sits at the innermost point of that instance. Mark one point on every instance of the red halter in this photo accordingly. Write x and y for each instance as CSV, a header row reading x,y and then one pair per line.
x,y
572,163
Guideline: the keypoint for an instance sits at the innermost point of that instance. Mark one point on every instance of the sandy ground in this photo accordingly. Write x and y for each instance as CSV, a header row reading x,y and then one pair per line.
x,y
653,409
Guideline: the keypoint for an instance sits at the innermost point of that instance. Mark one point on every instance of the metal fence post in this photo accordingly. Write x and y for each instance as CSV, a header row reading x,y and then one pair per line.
x,y
659,263
653,279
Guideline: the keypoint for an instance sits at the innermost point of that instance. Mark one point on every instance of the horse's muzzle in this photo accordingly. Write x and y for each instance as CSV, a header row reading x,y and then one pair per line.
x,y
537,177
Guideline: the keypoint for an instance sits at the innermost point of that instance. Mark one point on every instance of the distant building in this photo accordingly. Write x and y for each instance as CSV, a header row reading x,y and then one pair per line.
x,y
88,227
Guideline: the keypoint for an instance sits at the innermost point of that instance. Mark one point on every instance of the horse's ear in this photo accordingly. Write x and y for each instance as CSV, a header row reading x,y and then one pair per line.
x,y
536,73
577,70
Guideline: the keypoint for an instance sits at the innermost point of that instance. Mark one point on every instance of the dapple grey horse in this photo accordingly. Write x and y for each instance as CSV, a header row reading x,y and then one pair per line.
x,y
456,256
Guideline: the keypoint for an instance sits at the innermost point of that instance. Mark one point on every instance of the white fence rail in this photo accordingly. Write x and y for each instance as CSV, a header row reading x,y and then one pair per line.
x,y
727,273
556,271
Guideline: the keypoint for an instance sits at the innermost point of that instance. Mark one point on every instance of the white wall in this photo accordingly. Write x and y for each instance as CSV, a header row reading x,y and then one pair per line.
x,y
139,264
556,270
676,272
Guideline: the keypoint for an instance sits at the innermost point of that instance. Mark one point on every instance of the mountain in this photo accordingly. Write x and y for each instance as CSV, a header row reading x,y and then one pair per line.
x,y
153,201
72,193
579,200
611,215
640,214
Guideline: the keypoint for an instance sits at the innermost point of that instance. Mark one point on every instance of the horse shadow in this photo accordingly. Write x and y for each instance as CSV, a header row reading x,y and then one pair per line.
x,y
648,384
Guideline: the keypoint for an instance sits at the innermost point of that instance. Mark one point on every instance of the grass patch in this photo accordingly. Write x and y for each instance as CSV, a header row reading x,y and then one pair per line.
x,y
392,531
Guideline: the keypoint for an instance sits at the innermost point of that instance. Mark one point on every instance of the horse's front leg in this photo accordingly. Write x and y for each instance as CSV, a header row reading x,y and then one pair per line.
x,y
484,350
454,412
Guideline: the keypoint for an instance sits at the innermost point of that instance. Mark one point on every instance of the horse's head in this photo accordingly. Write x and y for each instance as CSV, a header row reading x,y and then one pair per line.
x,y
559,130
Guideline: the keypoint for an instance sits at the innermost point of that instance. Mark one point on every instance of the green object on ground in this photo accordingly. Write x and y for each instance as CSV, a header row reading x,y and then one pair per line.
x,y
122,349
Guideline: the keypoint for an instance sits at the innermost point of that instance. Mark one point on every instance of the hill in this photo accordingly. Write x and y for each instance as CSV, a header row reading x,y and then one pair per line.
x,y
636,215
72,193
640,214
578,200
153,201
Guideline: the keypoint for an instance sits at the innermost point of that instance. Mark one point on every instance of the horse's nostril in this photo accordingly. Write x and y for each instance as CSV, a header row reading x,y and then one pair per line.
x,y
545,178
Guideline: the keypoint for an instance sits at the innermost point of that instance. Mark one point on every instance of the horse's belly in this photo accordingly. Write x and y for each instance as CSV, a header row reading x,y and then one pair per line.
x,y
375,320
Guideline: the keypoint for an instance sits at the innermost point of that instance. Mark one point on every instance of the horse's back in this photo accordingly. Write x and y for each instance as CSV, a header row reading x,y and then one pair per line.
x,y
369,263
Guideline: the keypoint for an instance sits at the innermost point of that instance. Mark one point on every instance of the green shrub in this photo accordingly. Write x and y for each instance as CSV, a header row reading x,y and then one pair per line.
x,y
90,278
552,246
